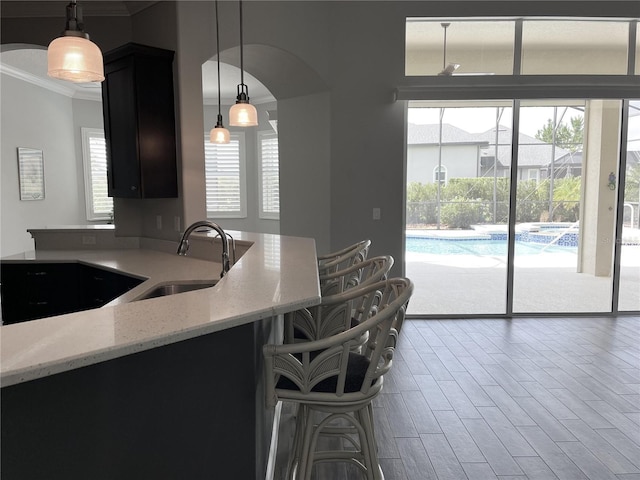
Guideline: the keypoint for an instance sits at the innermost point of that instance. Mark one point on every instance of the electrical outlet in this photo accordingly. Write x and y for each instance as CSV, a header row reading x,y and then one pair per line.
x,y
88,239
376,213
159,222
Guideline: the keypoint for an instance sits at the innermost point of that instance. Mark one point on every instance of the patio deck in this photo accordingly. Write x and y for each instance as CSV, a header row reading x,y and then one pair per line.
x,y
543,283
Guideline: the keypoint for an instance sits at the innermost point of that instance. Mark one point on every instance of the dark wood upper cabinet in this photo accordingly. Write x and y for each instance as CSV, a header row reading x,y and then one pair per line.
x,y
139,122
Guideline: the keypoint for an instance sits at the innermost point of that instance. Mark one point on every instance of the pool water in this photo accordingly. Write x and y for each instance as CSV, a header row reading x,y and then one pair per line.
x,y
479,247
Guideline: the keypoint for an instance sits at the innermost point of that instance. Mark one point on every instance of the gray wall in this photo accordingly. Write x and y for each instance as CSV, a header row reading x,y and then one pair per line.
x,y
38,118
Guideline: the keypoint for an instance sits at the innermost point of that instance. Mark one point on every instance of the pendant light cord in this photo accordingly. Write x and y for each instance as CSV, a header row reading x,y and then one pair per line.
x,y
218,54
241,48
444,50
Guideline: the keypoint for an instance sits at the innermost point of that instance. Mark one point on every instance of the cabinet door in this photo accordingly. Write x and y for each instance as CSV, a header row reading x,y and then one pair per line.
x,y
120,124
139,120
13,293
156,127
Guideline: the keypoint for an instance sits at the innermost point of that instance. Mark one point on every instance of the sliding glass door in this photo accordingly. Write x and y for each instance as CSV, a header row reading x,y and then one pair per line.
x,y
629,296
468,254
566,217
458,183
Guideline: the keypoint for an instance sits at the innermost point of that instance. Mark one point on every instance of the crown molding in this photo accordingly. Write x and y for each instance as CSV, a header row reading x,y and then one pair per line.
x,y
47,84
88,93
39,9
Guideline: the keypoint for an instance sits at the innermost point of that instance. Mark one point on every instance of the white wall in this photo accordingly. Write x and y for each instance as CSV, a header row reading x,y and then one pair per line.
x,y
38,118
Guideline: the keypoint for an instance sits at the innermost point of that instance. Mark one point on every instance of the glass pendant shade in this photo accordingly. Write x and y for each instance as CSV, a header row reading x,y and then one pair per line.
x,y
243,115
75,59
219,134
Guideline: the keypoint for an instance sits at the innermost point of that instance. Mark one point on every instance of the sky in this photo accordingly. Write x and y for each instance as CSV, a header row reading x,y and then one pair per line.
x,y
481,119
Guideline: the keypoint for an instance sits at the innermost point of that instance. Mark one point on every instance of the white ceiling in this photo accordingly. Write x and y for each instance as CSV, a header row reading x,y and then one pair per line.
x,y
31,65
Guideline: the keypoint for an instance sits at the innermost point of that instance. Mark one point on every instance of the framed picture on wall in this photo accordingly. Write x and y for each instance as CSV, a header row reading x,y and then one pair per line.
x,y
31,173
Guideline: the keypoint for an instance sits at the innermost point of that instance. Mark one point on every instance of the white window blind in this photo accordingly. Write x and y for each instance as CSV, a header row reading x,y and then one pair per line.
x,y
269,176
94,156
225,178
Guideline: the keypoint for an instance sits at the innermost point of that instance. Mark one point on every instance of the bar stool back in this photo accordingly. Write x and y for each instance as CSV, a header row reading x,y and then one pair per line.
x,y
332,262
311,323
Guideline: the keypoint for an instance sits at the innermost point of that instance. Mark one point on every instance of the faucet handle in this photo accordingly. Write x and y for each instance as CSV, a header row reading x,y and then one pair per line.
x,y
225,264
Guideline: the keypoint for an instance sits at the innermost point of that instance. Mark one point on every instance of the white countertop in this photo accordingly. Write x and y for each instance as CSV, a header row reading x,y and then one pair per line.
x,y
276,275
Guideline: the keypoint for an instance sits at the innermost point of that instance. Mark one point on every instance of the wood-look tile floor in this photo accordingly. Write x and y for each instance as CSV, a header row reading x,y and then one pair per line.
x,y
540,398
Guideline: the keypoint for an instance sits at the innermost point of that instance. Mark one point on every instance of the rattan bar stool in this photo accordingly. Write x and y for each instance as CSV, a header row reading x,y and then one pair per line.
x,y
333,386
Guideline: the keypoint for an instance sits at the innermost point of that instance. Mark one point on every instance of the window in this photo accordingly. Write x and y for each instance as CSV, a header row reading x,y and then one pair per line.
x,y
479,47
94,157
269,183
492,46
533,174
574,47
225,178
440,174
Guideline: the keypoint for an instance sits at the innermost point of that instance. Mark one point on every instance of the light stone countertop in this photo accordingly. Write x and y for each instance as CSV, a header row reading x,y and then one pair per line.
x,y
277,274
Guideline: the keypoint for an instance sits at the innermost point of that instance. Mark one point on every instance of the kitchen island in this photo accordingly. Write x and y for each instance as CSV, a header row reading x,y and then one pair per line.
x,y
168,387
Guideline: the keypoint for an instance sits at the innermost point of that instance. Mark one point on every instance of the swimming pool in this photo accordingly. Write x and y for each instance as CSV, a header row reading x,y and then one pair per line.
x,y
437,246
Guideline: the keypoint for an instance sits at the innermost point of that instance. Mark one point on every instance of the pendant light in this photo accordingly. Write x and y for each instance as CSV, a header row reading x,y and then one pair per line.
x,y
242,114
72,56
219,134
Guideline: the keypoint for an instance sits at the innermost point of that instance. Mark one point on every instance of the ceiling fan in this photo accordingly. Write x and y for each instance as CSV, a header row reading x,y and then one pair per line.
x,y
447,69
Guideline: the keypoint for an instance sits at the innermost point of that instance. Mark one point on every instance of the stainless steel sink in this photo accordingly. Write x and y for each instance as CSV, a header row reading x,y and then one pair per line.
x,y
175,288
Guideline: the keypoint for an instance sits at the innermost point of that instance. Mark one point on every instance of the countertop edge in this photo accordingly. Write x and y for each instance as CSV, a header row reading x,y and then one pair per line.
x,y
71,363
256,287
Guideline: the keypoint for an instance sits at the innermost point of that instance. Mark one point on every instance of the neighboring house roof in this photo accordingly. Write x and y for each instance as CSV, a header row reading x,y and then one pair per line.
x,y
533,153
573,159
430,135
633,157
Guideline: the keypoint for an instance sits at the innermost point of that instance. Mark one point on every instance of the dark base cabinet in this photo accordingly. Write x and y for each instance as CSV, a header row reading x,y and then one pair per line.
x,y
39,290
190,410
31,291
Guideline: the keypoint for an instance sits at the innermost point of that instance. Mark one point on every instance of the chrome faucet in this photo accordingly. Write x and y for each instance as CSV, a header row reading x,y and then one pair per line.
x,y
184,242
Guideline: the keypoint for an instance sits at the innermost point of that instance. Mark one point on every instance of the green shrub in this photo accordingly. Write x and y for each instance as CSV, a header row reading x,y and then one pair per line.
x,y
460,212
477,196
